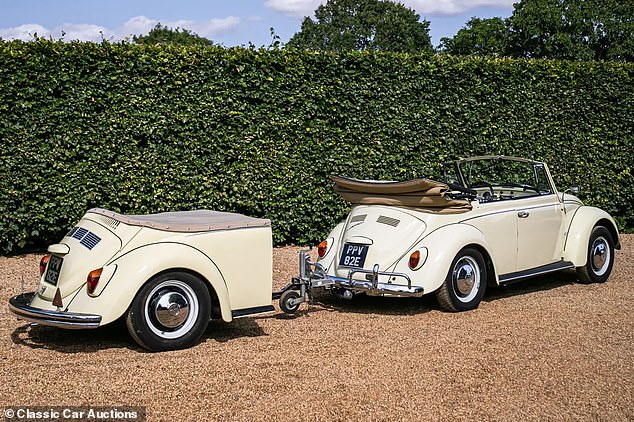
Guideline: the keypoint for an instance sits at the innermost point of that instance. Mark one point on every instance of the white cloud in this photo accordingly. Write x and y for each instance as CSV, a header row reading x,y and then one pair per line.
x,y
294,7
138,25
24,32
451,7
422,7
81,31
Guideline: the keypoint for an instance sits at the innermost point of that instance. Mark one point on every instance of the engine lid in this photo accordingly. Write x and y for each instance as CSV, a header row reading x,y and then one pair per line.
x,y
377,234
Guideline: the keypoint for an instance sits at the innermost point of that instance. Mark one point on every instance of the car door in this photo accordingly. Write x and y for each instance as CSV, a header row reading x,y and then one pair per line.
x,y
539,225
498,223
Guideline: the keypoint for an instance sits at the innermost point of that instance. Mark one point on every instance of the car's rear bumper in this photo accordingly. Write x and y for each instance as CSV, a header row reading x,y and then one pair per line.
x,y
20,306
315,274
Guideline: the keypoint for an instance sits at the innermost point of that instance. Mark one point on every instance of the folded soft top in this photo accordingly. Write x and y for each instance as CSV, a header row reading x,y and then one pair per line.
x,y
426,194
187,221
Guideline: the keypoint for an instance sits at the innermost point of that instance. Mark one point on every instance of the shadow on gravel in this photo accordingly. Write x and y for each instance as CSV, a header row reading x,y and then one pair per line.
x,y
225,331
116,336
113,335
528,286
363,304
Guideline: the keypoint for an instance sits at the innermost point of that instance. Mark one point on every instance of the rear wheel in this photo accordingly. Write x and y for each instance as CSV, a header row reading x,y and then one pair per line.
x,y
465,284
600,257
170,312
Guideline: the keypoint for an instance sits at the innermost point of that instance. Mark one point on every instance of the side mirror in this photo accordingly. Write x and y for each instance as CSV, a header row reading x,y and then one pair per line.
x,y
573,189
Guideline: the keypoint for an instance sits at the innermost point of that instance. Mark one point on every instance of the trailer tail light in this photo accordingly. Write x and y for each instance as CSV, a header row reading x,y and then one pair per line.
x,y
322,248
57,299
44,263
93,280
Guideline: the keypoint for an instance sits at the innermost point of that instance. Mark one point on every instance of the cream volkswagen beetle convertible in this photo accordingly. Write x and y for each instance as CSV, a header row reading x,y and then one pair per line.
x,y
493,220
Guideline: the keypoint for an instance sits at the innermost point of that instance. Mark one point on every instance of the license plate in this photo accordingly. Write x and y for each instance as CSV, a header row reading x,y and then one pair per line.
x,y
353,255
54,268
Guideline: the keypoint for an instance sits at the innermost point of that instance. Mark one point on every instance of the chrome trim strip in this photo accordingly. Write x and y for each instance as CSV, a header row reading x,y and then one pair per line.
x,y
19,305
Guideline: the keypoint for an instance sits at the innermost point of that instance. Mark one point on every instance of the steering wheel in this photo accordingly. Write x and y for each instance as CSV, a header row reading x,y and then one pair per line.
x,y
483,184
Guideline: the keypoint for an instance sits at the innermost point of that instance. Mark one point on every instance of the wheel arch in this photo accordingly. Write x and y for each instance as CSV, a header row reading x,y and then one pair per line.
x,y
443,245
492,279
580,229
213,296
130,277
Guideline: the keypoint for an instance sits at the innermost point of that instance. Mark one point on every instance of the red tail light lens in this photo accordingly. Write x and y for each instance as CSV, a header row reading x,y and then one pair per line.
x,y
44,263
93,280
322,248
414,259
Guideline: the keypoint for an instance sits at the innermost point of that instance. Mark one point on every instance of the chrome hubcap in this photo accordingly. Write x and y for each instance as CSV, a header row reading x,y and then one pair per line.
x,y
466,278
600,255
171,309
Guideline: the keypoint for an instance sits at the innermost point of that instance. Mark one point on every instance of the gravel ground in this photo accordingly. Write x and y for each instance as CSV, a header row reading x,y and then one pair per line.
x,y
544,349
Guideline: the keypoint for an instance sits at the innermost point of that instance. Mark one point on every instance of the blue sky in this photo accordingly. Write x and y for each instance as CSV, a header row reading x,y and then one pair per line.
x,y
231,23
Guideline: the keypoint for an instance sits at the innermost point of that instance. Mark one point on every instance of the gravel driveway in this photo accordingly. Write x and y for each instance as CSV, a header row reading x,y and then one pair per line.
x,y
543,349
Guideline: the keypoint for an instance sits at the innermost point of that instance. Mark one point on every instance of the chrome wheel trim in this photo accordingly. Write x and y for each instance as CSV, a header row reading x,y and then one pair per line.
x,y
466,279
171,309
600,256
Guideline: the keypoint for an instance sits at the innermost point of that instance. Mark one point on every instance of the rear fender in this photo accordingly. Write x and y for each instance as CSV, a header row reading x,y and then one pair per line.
x,y
442,247
140,265
333,239
578,234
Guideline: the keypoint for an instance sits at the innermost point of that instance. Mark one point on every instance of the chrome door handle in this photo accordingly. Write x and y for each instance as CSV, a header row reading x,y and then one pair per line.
x,y
523,214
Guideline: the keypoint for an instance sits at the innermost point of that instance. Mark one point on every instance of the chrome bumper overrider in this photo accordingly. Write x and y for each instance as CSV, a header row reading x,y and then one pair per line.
x,y
315,274
20,306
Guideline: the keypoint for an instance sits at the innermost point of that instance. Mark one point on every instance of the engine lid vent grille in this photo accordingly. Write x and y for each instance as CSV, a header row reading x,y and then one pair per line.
x,y
111,222
358,218
85,237
388,220
90,240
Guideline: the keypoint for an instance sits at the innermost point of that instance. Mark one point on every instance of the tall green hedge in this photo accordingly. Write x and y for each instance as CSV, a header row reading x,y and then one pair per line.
x,y
143,129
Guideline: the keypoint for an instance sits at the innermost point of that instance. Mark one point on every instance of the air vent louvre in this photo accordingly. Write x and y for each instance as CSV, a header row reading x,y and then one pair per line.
x,y
358,218
111,222
90,240
79,233
388,220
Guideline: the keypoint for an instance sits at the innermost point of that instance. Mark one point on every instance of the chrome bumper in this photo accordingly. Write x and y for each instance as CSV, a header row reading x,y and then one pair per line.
x,y
315,274
20,306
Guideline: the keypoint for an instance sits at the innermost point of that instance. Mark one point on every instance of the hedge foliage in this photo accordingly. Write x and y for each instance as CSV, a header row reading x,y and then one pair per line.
x,y
143,129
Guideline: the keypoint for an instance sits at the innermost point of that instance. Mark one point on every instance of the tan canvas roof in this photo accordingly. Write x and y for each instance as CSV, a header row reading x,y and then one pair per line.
x,y
187,221
426,194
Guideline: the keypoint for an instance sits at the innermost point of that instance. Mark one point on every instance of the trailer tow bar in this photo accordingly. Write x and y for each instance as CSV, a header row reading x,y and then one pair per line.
x,y
300,289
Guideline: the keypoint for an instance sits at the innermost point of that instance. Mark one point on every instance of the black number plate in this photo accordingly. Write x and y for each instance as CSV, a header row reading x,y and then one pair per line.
x,y
54,268
353,255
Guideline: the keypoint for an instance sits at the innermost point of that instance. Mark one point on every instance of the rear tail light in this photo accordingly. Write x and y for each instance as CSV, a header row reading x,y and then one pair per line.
x,y
93,280
414,259
417,258
322,248
44,263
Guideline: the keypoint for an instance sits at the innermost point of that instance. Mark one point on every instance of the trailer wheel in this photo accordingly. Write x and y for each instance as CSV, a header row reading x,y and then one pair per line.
x,y
285,301
170,312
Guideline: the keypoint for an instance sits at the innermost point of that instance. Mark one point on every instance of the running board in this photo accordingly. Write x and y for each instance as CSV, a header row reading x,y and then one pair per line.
x,y
533,272
252,311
